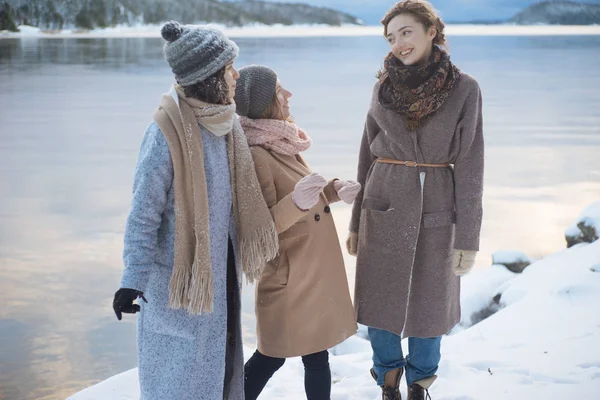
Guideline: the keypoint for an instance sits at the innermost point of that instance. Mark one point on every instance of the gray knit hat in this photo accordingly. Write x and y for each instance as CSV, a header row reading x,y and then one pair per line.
x,y
196,52
254,91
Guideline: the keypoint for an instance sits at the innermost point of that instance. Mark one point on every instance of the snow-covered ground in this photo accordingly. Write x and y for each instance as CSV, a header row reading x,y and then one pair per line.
x,y
312,30
542,342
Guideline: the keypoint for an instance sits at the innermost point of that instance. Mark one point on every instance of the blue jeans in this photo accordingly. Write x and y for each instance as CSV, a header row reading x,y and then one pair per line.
x,y
421,362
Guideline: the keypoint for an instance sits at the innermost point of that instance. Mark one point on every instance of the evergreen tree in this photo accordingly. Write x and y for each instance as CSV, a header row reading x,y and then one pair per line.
x,y
7,22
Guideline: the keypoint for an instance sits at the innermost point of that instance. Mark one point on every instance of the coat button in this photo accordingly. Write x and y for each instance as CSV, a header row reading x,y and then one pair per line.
x,y
327,210
317,217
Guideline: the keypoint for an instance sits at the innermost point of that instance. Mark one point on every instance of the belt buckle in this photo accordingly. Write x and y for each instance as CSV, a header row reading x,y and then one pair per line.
x,y
411,164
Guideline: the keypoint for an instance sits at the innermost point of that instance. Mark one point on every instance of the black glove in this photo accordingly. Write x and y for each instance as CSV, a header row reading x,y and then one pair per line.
x,y
123,302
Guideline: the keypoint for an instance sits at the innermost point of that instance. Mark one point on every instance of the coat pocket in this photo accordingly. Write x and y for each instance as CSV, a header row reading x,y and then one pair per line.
x,y
438,219
158,317
271,288
377,230
375,204
288,243
277,271
298,229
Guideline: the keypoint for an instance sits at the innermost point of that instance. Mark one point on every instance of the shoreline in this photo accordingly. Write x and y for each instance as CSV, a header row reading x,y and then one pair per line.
x,y
259,31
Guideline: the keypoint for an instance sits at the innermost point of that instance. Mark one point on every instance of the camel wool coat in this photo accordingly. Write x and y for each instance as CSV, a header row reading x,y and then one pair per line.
x,y
409,220
303,303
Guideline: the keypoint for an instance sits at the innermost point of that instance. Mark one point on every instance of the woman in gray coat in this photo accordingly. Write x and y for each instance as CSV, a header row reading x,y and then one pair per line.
x,y
415,226
197,220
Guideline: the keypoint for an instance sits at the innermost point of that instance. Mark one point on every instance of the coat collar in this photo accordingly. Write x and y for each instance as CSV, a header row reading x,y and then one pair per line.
x,y
295,163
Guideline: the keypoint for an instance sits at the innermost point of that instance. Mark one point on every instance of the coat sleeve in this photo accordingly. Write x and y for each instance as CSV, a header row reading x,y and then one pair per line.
x,y
284,212
468,174
330,192
365,160
151,184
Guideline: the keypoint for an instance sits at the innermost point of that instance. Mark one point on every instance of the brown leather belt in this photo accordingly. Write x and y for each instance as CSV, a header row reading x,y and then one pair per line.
x,y
413,164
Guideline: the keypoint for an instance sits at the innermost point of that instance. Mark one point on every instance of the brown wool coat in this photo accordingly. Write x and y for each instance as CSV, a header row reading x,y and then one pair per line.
x,y
303,303
406,232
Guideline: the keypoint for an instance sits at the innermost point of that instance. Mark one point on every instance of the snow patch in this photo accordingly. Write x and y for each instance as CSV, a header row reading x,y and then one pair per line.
x,y
26,30
542,344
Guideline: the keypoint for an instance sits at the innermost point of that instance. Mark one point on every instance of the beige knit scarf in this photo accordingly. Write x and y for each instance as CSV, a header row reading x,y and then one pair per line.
x,y
217,118
191,285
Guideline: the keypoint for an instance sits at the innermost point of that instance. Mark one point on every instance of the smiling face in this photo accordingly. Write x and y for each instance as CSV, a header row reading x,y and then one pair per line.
x,y
410,41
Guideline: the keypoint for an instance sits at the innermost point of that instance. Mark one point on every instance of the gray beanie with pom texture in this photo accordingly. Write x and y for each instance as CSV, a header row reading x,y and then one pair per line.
x,y
196,52
255,90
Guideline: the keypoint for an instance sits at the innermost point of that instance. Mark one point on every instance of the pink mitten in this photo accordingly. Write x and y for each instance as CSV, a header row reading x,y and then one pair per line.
x,y
347,190
307,190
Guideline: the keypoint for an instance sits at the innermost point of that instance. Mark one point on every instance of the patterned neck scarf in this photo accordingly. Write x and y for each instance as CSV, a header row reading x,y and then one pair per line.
x,y
417,92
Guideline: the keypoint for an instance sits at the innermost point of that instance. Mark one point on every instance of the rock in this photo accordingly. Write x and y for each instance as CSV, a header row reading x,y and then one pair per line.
x,y
480,295
492,308
586,228
514,261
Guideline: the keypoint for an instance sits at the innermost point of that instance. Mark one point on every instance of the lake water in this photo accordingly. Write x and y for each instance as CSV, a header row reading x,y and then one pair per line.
x,y
72,114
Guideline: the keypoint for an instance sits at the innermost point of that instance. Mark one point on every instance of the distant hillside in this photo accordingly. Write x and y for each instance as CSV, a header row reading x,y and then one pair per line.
x,y
559,13
90,14
290,13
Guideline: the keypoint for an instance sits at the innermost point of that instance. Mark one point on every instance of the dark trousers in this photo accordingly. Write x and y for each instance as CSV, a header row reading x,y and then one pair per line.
x,y
232,318
317,375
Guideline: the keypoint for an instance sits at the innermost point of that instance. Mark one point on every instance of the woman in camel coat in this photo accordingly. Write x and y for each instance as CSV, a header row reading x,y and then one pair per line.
x,y
303,304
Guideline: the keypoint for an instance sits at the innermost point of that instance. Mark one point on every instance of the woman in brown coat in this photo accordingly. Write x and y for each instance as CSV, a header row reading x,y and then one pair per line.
x,y
303,304
415,226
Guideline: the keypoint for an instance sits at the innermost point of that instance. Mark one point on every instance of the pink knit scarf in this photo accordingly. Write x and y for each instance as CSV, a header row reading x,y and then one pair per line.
x,y
282,137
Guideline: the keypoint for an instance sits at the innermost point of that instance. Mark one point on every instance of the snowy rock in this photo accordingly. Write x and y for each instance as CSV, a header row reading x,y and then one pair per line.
x,y
586,228
492,308
480,295
595,268
514,260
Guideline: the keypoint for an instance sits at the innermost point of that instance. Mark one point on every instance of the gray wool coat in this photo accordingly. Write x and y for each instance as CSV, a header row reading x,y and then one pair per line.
x,y
180,356
410,219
